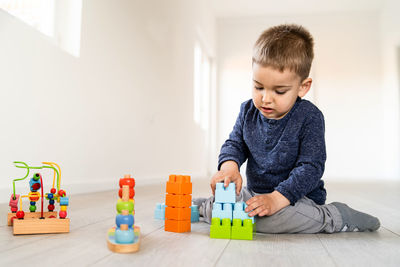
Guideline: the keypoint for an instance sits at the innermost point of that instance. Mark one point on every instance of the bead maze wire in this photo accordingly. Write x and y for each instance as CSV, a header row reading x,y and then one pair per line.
x,y
49,165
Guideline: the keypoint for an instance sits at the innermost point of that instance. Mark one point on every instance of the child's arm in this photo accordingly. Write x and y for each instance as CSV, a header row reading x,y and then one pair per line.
x,y
310,163
233,154
229,172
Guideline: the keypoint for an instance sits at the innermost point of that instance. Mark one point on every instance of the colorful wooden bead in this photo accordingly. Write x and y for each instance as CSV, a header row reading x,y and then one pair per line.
x,y
36,177
124,237
33,202
34,185
53,190
13,200
127,181
33,196
20,214
125,219
50,207
125,205
61,193
32,208
62,214
63,208
50,196
64,201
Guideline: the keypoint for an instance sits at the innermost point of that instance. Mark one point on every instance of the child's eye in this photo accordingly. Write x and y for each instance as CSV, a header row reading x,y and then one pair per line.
x,y
258,88
280,93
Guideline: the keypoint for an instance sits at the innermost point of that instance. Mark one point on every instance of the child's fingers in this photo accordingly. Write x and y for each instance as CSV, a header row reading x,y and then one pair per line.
x,y
227,181
252,204
218,177
238,186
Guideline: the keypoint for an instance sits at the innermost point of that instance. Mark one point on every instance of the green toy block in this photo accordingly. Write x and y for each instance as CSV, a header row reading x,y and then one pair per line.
x,y
218,230
243,232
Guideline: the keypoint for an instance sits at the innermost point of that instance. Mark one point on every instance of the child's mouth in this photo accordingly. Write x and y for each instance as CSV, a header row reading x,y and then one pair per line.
x,y
267,110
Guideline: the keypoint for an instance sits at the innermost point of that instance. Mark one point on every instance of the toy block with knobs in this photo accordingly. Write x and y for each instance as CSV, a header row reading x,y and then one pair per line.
x,y
41,222
159,212
178,202
195,215
229,220
125,237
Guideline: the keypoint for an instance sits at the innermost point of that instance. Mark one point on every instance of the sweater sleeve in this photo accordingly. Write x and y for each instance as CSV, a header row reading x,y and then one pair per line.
x,y
310,163
234,147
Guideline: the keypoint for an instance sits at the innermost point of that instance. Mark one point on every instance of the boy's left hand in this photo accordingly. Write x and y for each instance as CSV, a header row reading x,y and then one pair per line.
x,y
266,204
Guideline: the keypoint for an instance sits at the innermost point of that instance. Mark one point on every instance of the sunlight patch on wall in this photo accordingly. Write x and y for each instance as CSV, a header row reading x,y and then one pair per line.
x,y
58,19
201,87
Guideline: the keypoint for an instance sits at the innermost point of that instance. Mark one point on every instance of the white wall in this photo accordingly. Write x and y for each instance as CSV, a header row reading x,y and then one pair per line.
x,y
347,74
390,36
124,106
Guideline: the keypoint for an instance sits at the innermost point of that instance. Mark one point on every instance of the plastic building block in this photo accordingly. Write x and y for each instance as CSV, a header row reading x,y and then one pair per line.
x,y
222,211
195,215
179,214
220,229
179,184
172,200
159,212
239,213
243,232
225,195
177,226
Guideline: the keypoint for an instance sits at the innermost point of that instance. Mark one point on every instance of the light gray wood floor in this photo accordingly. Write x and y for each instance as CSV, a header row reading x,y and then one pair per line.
x,y
92,214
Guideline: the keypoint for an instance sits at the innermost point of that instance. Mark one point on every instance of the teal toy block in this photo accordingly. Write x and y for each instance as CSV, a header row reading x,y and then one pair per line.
x,y
239,213
242,231
225,195
195,215
222,211
159,212
221,230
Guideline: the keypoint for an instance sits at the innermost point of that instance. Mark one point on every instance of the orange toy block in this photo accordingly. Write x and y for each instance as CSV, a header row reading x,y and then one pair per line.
x,y
177,226
179,184
180,214
179,201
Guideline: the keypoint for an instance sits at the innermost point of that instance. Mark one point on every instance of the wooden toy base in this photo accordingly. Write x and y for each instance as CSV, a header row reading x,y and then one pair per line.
x,y
123,248
31,215
40,226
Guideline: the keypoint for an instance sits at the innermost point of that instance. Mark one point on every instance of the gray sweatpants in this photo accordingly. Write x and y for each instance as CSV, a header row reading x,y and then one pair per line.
x,y
304,217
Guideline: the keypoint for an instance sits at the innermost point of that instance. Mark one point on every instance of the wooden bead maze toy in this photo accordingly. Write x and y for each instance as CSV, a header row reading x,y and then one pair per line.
x,y
125,237
41,222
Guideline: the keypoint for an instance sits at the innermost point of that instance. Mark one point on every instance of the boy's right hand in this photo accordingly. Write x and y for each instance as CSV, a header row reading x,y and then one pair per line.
x,y
229,172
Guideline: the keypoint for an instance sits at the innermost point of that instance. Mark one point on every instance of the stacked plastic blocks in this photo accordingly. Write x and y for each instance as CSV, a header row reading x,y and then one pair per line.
x,y
229,220
178,201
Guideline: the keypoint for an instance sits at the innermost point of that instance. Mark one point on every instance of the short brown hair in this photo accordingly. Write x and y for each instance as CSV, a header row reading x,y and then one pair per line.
x,y
285,46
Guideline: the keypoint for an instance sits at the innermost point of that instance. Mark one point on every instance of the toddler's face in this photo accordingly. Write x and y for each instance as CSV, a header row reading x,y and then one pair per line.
x,y
275,92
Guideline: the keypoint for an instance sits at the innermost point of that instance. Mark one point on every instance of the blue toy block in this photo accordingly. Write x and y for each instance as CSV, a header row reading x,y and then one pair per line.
x,y
225,195
195,215
159,212
222,211
239,213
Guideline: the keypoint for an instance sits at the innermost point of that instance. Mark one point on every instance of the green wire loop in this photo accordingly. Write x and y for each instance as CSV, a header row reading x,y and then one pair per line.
x,y
25,166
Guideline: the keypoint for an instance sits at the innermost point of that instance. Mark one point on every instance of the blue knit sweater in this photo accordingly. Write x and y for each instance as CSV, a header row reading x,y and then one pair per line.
x,y
287,155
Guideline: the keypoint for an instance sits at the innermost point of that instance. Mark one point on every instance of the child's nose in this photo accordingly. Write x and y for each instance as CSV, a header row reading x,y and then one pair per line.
x,y
267,98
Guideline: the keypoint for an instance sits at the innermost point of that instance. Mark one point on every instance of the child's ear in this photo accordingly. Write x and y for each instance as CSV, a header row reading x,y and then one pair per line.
x,y
305,87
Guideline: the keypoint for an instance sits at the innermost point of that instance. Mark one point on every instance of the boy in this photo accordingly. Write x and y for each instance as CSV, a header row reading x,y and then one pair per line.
x,y
282,138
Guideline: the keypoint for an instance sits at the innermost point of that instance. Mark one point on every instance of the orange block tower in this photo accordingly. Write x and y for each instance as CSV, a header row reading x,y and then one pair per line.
x,y
178,201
